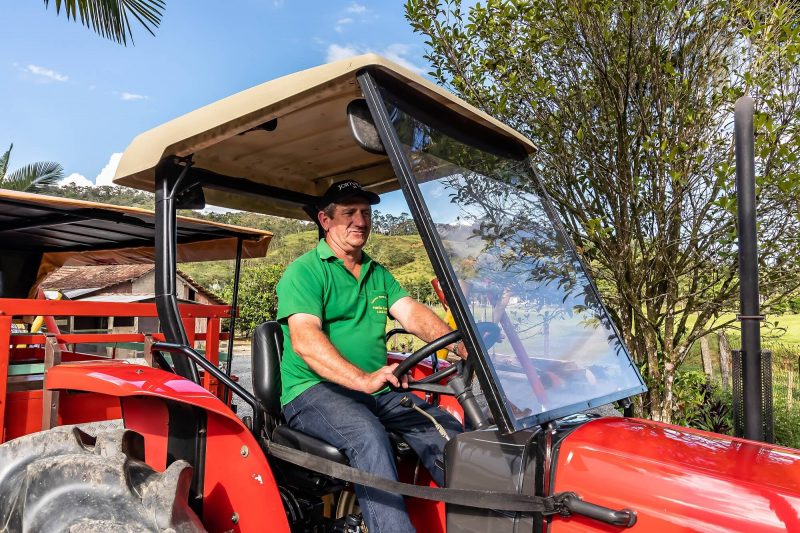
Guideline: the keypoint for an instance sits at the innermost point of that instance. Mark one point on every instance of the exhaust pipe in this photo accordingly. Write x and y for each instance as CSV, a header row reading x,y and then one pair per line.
x,y
750,316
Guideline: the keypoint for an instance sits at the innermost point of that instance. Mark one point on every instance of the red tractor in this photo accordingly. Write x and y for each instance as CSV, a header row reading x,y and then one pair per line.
x,y
543,351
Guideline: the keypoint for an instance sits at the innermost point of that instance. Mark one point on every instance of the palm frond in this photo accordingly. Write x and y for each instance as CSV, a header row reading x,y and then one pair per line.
x,y
109,18
4,162
34,177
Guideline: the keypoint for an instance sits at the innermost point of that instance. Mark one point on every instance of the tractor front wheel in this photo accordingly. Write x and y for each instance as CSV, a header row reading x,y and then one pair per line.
x,y
66,480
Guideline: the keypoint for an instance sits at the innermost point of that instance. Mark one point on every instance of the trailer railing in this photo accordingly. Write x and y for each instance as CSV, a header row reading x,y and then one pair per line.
x,y
25,405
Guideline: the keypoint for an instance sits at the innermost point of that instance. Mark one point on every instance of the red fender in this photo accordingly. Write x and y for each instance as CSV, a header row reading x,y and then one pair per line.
x,y
239,490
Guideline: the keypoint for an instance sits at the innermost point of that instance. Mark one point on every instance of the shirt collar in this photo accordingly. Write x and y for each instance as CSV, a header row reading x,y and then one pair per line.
x,y
325,253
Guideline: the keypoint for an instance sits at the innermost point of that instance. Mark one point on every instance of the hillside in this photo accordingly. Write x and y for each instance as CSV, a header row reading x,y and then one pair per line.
x,y
403,255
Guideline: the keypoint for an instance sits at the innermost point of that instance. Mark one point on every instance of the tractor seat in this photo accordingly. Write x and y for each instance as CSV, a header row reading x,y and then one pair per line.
x,y
266,361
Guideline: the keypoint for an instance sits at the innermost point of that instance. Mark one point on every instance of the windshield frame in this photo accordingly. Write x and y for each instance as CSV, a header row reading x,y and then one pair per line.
x,y
375,92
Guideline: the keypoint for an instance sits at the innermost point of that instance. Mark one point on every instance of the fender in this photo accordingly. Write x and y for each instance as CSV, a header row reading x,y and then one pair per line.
x,y
239,490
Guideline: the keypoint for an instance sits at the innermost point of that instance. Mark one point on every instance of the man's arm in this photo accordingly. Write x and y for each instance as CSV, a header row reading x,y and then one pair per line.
x,y
316,349
421,321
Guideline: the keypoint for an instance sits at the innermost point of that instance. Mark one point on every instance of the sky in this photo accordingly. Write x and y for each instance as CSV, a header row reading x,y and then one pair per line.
x,y
73,97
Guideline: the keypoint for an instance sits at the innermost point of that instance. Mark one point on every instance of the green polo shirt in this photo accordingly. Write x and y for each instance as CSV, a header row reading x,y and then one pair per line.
x,y
353,312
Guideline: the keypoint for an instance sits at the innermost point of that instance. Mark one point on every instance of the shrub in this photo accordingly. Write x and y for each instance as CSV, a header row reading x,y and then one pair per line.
x,y
701,404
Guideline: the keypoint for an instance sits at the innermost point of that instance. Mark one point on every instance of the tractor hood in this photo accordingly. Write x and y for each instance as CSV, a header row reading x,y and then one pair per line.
x,y
678,479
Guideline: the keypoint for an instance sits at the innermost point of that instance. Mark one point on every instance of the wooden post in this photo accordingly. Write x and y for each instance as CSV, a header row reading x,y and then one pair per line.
x,y
789,383
52,357
148,348
705,352
724,360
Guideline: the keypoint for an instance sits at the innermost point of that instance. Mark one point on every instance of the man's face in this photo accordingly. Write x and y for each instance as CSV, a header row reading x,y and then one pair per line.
x,y
350,224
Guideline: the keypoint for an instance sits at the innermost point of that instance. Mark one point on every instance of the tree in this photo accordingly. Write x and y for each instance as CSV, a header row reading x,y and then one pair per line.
x,y
630,107
258,301
33,177
110,18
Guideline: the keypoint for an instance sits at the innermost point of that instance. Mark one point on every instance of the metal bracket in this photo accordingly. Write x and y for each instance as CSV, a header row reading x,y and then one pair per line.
x,y
759,318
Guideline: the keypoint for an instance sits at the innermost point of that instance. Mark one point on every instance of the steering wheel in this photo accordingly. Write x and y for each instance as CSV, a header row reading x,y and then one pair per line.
x,y
426,384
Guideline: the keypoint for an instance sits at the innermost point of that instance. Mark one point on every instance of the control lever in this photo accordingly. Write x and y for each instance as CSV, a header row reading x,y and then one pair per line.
x,y
405,401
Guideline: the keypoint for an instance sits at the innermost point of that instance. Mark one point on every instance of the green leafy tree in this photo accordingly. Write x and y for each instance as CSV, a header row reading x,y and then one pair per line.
x,y
257,299
33,177
111,19
630,105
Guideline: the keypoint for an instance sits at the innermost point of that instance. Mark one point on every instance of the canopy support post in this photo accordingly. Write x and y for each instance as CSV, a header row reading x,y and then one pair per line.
x,y
168,178
234,306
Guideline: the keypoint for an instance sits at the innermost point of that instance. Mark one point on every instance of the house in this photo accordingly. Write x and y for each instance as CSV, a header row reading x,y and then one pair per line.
x,y
120,283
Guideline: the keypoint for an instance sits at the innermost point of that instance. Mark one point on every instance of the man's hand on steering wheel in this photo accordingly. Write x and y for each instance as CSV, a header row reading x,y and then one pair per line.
x,y
375,381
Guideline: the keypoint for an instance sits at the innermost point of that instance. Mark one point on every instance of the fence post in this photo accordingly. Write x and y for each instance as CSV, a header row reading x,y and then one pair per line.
x,y
724,360
705,352
789,382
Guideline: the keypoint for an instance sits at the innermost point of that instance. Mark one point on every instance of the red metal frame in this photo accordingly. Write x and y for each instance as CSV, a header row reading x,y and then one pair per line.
x,y
21,410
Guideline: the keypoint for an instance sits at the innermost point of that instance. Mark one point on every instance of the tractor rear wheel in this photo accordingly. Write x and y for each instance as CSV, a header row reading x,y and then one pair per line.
x,y
66,480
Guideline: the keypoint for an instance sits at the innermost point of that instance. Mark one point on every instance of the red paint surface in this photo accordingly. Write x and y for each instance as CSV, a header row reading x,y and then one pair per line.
x,y
24,410
678,479
235,482
5,333
149,418
29,307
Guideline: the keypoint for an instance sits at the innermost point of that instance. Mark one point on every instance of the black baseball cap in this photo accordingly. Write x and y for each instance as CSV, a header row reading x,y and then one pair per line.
x,y
342,190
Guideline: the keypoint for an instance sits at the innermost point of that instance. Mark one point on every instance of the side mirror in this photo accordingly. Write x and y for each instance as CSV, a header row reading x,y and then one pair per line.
x,y
363,127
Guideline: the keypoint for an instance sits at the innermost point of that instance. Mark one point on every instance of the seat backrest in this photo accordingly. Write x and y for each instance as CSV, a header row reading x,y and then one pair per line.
x,y
266,358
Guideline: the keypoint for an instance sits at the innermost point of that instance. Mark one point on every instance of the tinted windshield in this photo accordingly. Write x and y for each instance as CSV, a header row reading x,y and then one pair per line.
x,y
552,349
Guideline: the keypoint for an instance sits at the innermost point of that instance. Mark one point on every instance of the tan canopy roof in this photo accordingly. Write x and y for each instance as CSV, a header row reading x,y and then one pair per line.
x,y
309,148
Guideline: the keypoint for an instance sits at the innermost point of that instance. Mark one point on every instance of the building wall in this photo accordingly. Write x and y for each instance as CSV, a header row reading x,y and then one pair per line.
x,y
146,285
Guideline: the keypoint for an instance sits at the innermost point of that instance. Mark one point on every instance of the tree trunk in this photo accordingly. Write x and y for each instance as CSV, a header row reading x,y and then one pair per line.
x,y
665,411
724,360
705,352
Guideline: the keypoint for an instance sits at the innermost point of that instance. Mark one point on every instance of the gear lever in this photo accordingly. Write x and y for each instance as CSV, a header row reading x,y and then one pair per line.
x,y
405,401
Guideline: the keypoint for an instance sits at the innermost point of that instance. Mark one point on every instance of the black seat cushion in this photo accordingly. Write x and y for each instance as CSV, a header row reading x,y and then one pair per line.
x,y
266,365
290,438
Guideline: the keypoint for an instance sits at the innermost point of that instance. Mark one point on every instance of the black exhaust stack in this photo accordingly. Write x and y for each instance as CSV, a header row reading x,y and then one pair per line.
x,y
754,390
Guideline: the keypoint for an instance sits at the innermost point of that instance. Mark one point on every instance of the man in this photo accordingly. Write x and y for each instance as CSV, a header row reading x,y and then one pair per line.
x,y
333,304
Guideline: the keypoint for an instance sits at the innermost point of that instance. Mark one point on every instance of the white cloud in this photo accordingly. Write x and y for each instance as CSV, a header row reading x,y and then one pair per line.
x,y
107,174
356,8
341,23
45,73
397,52
76,179
132,96
337,52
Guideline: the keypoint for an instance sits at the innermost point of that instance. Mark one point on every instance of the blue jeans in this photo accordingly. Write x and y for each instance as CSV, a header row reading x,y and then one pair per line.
x,y
356,424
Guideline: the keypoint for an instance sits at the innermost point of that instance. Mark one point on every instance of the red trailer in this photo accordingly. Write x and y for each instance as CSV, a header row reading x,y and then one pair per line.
x,y
41,234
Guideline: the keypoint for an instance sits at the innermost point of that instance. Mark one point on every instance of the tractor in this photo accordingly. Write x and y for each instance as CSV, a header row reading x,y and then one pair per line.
x,y
543,351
